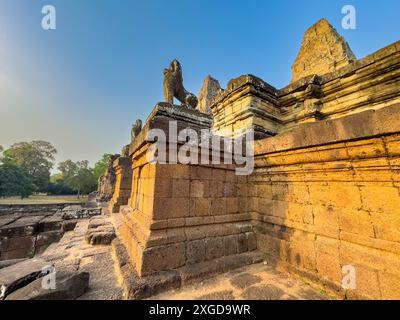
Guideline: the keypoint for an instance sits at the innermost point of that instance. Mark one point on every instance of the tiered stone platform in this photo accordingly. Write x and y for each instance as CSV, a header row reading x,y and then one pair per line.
x,y
323,195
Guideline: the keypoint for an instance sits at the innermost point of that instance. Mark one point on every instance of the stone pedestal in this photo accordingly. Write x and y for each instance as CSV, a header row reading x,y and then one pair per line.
x,y
123,183
186,217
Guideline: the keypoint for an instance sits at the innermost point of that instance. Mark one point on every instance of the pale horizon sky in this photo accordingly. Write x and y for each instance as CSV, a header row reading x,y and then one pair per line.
x,y
82,85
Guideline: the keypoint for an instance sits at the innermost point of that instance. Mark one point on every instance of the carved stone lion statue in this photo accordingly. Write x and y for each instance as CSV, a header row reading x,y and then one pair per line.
x,y
173,86
136,128
125,151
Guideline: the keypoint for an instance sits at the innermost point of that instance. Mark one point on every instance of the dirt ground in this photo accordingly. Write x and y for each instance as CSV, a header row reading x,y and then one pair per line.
x,y
255,282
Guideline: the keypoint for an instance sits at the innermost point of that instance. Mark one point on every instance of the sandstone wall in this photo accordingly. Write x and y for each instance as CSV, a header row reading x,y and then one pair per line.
x,y
248,102
184,215
327,194
123,183
187,217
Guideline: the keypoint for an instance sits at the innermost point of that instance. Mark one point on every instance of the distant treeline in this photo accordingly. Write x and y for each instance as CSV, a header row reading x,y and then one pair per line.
x,y
25,169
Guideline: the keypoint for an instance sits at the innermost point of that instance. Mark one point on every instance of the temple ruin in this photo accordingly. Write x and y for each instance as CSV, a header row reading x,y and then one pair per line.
x,y
289,193
324,193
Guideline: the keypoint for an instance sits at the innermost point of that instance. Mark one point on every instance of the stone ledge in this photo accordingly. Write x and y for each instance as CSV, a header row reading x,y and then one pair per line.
x,y
137,288
367,124
165,112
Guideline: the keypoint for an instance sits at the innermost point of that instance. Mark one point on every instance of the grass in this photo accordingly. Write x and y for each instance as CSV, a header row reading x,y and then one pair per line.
x,y
43,199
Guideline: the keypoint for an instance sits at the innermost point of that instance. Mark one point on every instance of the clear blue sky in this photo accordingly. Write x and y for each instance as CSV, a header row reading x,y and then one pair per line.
x,y
83,84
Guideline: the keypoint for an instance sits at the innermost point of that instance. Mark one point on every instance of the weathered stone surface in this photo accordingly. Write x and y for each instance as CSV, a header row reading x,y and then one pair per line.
x,y
219,295
123,184
211,88
263,292
50,223
7,219
8,263
322,50
245,280
106,183
20,274
100,231
25,226
195,251
214,248
69,225
72,213
68,286
231,245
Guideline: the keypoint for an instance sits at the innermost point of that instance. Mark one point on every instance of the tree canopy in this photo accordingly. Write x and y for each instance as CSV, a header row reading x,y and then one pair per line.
x,y
14,181
101,165
37,159
83,179
25,168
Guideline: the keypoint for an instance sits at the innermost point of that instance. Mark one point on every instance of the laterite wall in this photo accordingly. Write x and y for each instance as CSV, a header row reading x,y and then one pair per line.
x,y
327,194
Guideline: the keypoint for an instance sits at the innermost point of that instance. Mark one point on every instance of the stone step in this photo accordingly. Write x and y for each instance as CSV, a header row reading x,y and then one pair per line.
x,y
135,287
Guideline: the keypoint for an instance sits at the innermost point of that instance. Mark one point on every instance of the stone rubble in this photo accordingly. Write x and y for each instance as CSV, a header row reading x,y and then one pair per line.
x,y
69,286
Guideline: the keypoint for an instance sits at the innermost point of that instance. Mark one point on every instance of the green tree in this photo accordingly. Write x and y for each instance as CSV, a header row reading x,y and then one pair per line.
x,y
57,185
14,181
36,158
101,165
67,168
83,181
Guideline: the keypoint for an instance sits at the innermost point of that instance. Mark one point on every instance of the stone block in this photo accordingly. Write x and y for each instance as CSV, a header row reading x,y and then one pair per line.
x,y
251,241
166,208
229,189
18,253
180,188
242,204
10,244
356,221
389,285
18,275
195,251
214,248
338,195
218,206
198,188
301,253
162,258
232,205
217,189
200,207
200,173
367,283
327,259
26,226
50,224
380,199
326,221
386,225
163,188
218,174
69,286
230,245
242,243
